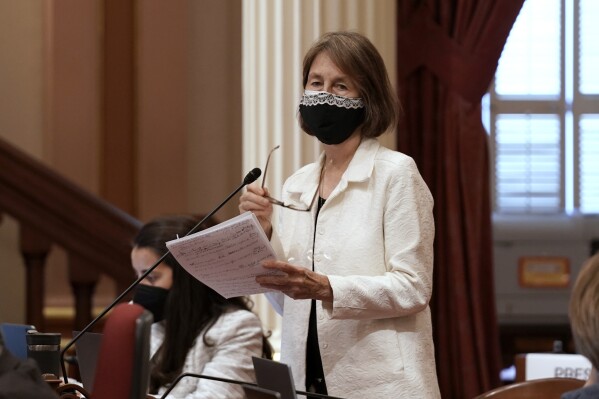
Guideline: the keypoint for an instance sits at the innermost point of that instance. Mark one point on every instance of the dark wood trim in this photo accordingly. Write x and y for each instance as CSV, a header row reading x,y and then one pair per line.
x,y
51,208
34,248
118,171
68,215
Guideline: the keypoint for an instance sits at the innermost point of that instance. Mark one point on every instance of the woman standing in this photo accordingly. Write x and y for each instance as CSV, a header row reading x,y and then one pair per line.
x,y
354,239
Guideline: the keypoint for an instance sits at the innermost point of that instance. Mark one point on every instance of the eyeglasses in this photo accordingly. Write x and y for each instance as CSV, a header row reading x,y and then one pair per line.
x,y
276,201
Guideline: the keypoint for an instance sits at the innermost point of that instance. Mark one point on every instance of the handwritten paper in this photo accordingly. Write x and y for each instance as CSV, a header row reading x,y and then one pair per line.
x,y
227,257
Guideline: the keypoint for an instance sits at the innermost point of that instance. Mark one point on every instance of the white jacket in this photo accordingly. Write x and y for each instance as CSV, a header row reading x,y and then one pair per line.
x,y
237,336
374,241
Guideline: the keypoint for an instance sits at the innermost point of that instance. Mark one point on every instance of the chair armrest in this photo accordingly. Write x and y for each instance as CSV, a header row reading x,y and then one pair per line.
x,y
72,391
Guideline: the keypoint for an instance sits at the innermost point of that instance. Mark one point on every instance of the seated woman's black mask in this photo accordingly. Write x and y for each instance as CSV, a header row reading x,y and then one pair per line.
x,y
152,299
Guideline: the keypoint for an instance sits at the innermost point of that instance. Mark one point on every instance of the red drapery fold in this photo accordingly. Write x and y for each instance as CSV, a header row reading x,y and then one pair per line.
x,y
447,56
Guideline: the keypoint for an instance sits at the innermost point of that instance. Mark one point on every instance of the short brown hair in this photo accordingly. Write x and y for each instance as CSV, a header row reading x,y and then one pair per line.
x,y
356,56
584,311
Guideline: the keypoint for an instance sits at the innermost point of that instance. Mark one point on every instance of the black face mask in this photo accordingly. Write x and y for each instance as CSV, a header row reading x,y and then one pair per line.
x,y
332,119
152,299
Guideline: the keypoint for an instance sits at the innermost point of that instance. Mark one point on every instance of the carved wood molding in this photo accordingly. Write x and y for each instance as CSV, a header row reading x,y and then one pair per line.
x,y
80,222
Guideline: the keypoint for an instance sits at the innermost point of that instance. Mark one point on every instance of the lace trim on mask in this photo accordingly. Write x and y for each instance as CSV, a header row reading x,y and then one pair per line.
x,y
321,97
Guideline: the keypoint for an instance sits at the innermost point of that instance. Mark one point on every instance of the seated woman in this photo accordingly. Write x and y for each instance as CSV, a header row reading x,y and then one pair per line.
x,y
584,321
195,329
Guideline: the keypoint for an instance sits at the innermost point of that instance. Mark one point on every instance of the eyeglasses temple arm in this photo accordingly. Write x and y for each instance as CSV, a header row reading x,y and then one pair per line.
x,y
266,166
274,201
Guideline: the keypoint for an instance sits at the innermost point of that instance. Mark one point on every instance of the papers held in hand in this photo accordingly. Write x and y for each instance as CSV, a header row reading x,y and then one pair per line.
x,y
227,257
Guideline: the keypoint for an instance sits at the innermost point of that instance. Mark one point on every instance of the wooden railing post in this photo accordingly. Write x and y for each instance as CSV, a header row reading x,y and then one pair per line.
x,y
84,279
34,248
53,211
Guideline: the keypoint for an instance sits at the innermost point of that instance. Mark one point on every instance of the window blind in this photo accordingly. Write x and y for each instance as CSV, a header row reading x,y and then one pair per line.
x,y
528,175
589,163
544,111
588,36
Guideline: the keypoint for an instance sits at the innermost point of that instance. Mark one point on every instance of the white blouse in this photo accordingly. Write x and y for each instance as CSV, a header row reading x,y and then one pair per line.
x,y
236,337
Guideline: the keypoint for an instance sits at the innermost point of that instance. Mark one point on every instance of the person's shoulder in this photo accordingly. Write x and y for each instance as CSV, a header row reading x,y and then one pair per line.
x,y
239,317
400,173
592,391
391,158
21,379
390,165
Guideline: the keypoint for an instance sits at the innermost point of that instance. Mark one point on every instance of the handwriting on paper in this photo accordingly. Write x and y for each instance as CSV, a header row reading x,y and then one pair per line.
x,y
227,257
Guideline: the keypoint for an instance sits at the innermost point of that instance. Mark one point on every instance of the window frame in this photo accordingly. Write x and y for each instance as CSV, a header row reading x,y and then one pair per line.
x,y
569,106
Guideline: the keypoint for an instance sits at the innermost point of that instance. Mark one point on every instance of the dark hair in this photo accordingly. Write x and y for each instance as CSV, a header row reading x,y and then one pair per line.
x,y
207,307
356,56
584,302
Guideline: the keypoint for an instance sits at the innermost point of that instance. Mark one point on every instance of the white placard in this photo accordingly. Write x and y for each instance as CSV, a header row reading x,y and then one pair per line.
x,y
549,365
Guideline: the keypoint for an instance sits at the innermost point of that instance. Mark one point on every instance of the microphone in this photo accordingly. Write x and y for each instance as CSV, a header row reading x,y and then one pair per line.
x,y
252,176
229,381
248,179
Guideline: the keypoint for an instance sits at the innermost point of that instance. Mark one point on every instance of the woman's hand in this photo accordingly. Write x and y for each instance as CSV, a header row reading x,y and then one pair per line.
x,y
253,200
297,283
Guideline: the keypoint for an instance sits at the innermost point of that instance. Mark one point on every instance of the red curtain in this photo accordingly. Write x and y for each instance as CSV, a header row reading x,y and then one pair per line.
x,y
447,56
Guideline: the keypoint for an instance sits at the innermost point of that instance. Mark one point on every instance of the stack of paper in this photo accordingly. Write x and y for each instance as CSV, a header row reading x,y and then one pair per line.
x,y
227,257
